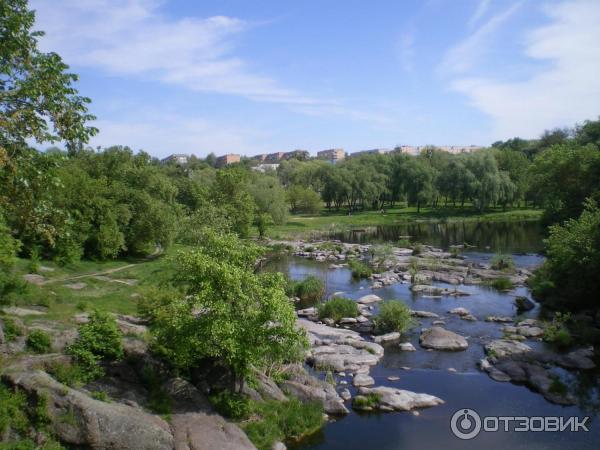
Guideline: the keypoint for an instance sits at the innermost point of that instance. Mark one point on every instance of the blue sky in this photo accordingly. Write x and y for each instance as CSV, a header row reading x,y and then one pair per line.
x,y
265,75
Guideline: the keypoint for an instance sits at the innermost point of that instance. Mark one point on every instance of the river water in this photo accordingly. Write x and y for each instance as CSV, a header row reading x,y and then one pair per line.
x,y
467,386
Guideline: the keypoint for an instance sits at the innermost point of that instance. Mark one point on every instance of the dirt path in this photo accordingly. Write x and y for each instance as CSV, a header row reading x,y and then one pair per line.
x,y
95,274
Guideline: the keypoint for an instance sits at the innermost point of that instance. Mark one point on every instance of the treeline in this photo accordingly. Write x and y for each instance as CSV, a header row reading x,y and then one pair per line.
x,y
510,173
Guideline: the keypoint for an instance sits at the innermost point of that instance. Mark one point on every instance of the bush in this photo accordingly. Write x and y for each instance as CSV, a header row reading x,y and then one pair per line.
x,y
501,284
337,308
557,332
417,249
366,401
393,315
39,341
311,289
359,269
11,329
69,374
99,340
280,421
99,395
159,400
504,263
231,405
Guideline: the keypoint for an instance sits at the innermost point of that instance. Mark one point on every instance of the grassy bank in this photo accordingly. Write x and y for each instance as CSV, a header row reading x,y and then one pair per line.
x,y
303,225
111,286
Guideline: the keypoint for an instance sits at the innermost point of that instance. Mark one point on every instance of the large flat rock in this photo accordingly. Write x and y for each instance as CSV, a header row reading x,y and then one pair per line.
x,y
438,338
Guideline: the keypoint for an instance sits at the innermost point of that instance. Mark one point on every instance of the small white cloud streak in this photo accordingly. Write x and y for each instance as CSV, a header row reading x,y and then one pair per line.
x,y
566,92
482,8
469,52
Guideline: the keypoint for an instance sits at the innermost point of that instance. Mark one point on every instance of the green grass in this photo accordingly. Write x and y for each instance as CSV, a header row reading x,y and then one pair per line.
x,y
337,308
393,316
370,400
108,294
359,269
283,421
303,224
501,284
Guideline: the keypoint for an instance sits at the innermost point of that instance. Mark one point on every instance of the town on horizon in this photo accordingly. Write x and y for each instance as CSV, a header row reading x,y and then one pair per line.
x,y
333,155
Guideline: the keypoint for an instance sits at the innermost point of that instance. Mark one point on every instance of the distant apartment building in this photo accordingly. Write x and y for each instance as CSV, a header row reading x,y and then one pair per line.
x,y
260,157
265,167
302,155
454,149
274,157
374,151
227,159
177,158
332,155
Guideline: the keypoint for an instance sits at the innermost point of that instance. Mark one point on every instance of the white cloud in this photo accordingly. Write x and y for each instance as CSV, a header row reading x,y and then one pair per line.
x,y
482,8
468,53
565,92
133,38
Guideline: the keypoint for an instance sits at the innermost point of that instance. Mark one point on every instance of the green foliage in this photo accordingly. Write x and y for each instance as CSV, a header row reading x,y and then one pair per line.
x,y
557,331
570,273
370,400
99,340
501,284
11,329
227,311
13,411
393,315
382,254
231,405
303,199
100,395
503,262
39,341
283,421
359,269
558,387
71,374
269,197
337,308
159,400
417,249
310,290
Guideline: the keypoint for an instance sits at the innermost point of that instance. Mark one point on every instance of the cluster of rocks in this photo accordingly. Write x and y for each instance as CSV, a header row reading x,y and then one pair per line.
x,y
432,264
514,361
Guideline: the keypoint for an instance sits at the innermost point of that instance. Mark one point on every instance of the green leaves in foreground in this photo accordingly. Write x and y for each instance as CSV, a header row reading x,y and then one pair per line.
x,y
393,315
226,311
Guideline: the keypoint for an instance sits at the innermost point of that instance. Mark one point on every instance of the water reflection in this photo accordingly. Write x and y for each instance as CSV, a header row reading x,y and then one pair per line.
x,y
509,237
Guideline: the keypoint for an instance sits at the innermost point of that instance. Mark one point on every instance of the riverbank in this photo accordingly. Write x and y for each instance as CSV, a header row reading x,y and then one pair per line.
x,y
307,225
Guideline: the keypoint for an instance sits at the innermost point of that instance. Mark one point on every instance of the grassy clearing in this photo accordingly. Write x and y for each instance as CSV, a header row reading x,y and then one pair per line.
x,y
340,220
110,292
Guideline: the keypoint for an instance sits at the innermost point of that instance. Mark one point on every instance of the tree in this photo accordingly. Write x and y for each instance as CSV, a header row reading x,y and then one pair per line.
x,y
303,199
226,311
570,273
269,197
230,194
37,98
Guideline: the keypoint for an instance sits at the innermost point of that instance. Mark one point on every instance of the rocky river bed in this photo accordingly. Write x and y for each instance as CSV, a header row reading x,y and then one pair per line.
x,y
471,342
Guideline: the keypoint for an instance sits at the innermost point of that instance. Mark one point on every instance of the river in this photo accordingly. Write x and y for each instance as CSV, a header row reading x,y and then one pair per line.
x,y
464,385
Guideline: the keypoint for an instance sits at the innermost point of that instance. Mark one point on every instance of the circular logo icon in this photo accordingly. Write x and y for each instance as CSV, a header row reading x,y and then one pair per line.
x,y
465,424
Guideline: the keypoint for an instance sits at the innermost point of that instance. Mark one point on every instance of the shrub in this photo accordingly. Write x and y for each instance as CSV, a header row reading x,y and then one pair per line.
x,y
34,261
69,374
159,400
11,329
501,284
557,332
39,341
359,269
403,242
417,249
99,340
99,395
279,421
338,307
393,315
311,289
231,405
82,306
504,263
366,401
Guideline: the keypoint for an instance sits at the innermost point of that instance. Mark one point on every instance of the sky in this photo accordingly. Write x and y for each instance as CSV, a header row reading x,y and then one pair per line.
x,y
249,77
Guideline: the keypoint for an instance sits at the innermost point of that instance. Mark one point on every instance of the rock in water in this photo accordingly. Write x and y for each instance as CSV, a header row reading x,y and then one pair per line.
x,y
392,399
438,338
362,380
367,299
501,348
524,304
407,347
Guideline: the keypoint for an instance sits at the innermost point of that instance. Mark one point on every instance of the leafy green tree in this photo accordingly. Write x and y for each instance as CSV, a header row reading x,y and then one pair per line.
x,y
230,194
226,311
269,197
303,199
570,273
